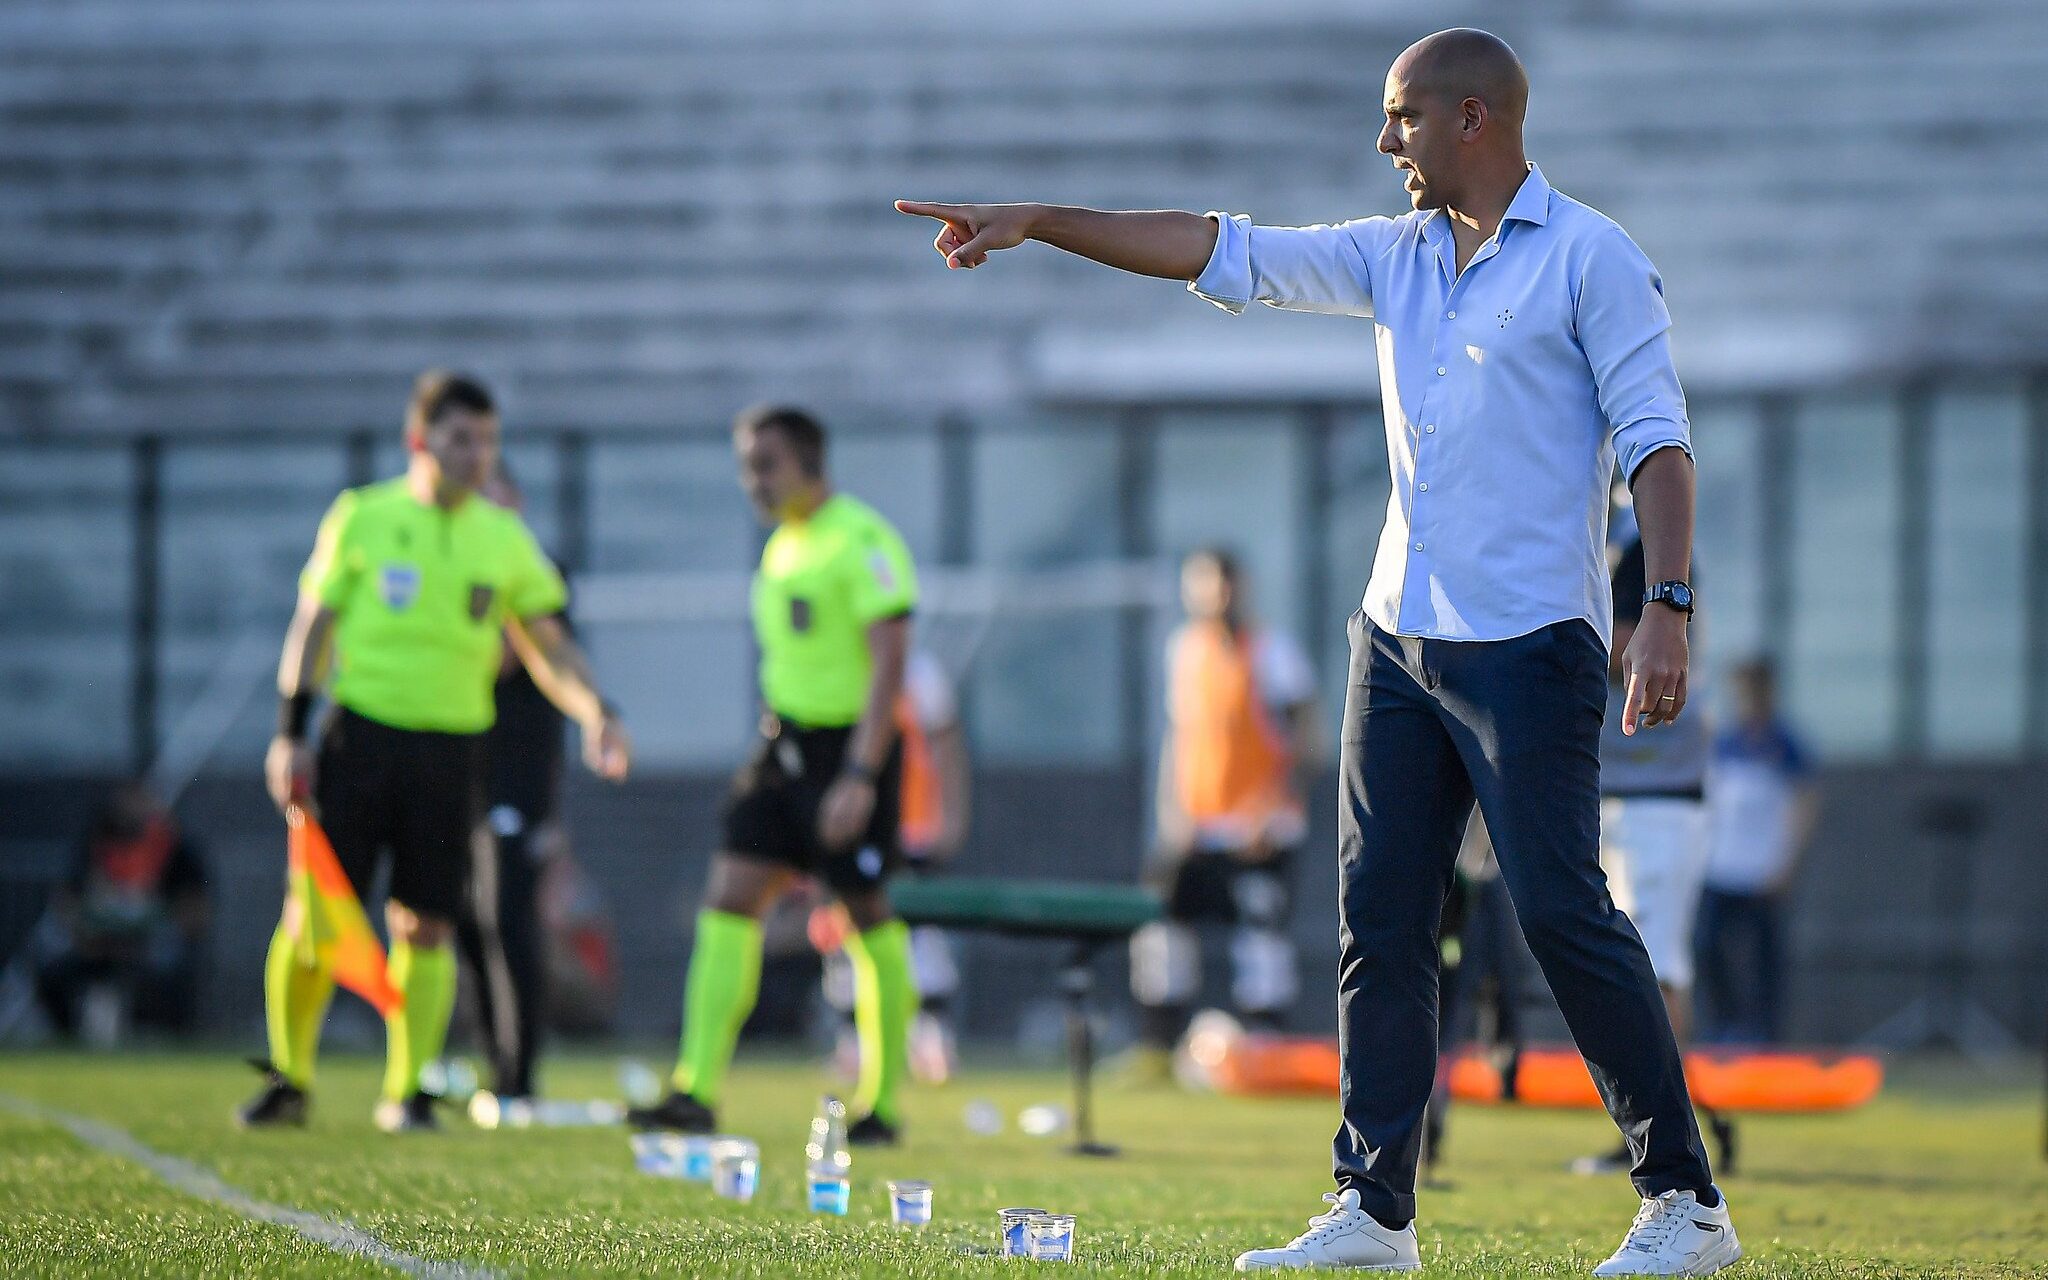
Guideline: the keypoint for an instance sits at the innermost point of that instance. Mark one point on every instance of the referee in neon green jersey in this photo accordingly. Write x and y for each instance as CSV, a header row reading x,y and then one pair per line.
x,y
821,792
414,581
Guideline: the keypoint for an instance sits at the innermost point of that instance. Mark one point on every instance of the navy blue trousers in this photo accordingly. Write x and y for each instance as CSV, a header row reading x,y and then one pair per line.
x,y
1430,726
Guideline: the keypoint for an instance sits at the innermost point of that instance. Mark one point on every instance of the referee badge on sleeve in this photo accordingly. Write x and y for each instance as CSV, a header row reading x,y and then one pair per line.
x,y
480,594
885,573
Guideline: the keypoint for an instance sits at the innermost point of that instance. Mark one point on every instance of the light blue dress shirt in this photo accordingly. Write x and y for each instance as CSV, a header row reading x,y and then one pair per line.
x,y
1509,393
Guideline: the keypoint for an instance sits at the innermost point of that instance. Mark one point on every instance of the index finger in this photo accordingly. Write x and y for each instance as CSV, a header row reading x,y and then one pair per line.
x,y
926,209
1629,703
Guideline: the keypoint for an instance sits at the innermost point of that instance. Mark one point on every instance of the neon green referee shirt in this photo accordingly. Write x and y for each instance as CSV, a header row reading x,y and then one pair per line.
x,y
421,597
823,581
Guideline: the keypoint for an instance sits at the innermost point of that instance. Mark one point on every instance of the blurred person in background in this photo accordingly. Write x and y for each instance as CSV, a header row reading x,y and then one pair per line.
x,y
938,788
1242,740
1763,808
413,587
126,937
1653,831
501,937
821,793
582,952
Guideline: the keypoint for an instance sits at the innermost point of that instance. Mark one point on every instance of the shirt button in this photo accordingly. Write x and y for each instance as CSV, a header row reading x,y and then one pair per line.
x,y
1441,371
1429,430
1425,488
1450,315
1418,546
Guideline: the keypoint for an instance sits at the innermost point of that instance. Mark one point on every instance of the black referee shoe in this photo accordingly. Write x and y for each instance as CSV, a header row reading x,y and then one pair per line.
x,y
281,1103
873,1131
413,1115
677,1113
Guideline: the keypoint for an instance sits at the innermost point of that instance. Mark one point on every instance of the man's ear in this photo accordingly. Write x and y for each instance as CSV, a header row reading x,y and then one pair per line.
x,y
1474,116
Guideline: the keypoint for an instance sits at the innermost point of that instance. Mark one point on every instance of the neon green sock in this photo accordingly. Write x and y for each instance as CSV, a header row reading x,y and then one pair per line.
x,y
413,1036
725,976
294,1005
884,1000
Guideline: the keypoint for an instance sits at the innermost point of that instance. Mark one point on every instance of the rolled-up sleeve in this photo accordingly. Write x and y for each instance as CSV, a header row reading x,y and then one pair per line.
x,y
1625,330
1321,268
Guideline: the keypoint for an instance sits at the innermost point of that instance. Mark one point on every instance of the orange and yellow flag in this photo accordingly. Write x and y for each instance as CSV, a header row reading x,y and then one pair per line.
x,y
335,933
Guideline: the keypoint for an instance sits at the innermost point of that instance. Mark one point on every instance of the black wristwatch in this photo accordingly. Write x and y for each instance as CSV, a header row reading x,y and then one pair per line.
x,y
1676,594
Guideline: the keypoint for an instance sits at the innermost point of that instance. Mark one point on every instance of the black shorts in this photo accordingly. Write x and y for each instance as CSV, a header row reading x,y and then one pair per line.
x,y
772,813
1220,887
417,795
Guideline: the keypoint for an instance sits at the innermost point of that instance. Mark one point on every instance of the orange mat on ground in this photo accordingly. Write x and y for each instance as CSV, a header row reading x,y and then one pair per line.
x,y
1750,1080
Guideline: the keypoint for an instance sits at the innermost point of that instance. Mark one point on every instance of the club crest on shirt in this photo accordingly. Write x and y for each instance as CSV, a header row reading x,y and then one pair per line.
x,y
480,596
399,585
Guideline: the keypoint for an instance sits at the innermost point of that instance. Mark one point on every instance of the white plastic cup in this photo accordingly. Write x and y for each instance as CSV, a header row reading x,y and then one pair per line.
x,y
829,1191
651,1153
735,1170
1014,1224
910,1203
1051,1236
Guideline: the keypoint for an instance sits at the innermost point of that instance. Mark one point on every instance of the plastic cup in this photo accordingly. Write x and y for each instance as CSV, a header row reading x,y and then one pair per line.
x,y
695,1156
910,1203
829,1191
735,1170
1051,1236
1015,1224
651,1153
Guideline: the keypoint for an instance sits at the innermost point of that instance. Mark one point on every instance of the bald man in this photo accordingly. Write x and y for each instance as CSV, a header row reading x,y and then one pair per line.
x,y
1523,354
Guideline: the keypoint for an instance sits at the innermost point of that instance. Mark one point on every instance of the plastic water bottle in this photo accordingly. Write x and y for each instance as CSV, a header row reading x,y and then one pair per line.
x,y
828,1161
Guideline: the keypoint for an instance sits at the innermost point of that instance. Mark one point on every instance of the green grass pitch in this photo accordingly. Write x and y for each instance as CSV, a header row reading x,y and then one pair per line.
x,y
1942,1177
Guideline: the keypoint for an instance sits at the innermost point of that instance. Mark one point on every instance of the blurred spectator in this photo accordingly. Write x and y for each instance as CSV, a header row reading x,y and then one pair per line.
x,y
1242,732
126,936
1762,806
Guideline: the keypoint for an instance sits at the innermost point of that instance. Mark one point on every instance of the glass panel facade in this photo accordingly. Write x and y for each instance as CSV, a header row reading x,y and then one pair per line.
x,y
1728,550
1976,607
1298,493
65,575
1842,659
661,506
1048,691
238,524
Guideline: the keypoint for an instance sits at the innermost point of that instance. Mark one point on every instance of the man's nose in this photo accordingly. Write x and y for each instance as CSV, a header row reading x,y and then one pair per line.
x,y
1389,142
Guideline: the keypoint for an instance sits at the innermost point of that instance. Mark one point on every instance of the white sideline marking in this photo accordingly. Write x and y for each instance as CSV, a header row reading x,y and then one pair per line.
x,y
201,1183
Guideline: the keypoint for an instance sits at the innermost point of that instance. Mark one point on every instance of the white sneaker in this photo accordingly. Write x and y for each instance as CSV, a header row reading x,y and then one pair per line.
x,y
1346,1236
1675,1235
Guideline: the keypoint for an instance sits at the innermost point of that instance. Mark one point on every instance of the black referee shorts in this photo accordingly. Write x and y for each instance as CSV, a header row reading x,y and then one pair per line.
x,y
416,795
772,813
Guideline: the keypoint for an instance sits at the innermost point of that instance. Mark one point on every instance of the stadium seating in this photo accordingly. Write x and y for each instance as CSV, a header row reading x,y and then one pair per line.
x,y
222,214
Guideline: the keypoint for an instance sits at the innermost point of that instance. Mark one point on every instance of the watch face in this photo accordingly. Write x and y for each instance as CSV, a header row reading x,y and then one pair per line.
x,y
1681,595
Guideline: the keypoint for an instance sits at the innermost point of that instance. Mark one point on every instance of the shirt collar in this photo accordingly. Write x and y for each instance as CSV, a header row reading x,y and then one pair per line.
x,y
1532,200
1531,204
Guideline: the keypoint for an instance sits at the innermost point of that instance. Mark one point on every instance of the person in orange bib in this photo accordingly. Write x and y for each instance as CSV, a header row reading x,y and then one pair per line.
x,y
1241,729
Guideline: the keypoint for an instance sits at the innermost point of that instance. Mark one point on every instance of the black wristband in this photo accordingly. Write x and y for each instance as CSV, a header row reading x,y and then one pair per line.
x,y
293,711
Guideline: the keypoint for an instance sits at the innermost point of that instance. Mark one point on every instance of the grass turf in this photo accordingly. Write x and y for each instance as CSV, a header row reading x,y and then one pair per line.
x,y
1941,1177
